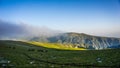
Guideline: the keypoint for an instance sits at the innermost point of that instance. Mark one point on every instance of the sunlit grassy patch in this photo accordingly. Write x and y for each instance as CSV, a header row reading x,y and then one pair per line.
x,y
55,45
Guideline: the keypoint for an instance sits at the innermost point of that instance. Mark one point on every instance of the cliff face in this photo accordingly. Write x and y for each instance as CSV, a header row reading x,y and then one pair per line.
x,y
86,41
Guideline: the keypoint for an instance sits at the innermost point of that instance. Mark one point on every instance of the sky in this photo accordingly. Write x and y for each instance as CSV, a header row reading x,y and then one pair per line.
x,y
95,17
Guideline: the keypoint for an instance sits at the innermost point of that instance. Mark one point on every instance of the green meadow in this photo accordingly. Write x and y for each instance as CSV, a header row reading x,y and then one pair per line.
x,y
17,54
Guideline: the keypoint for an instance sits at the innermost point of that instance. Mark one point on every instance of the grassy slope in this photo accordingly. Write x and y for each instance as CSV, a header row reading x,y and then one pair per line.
x,y
21,54
56,46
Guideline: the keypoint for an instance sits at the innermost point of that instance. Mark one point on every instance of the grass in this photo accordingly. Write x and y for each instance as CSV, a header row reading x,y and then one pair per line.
x,y
55,45
21,54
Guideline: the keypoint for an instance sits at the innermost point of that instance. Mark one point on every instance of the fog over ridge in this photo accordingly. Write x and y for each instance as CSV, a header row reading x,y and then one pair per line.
x,y
9,30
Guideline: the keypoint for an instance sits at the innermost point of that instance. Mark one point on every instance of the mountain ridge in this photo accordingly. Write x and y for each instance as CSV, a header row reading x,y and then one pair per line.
x,y
81,40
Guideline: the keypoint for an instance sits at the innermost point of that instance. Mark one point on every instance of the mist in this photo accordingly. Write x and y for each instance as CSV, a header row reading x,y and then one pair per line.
x,y
9,30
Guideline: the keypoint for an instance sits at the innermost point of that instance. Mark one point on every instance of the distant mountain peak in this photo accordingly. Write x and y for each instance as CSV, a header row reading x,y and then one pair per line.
x,y
76,34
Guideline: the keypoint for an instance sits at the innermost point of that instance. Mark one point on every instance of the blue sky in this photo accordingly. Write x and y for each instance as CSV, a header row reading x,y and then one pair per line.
x,y
97,17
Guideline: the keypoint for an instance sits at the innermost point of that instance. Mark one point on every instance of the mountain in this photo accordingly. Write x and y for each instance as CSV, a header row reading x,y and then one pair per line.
x,y
78,40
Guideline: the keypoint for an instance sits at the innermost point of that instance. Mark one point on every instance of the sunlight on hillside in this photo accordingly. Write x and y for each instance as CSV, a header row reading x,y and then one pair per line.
x,y
55,45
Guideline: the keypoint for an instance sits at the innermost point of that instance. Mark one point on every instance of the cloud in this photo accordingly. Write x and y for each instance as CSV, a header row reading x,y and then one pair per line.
x,y
10,30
